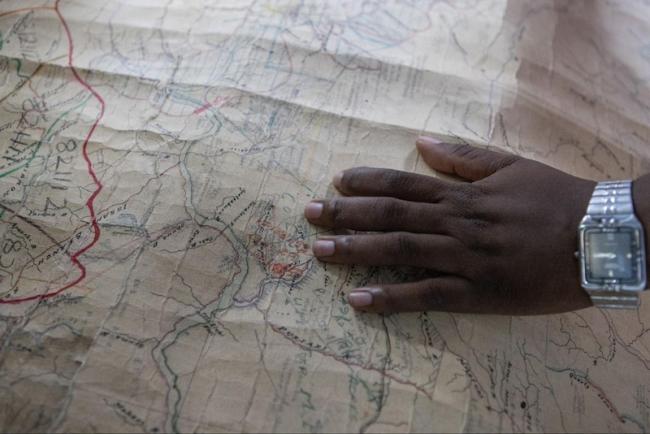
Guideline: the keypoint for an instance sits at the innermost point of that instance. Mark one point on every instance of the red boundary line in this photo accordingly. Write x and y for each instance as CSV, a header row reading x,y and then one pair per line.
x,y
89,203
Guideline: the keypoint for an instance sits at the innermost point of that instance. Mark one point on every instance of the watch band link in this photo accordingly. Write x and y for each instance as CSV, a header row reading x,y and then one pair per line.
x,y
621,299
611,198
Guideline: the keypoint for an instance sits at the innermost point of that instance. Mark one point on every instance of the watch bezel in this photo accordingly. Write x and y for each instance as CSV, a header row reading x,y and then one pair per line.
x,y
604,224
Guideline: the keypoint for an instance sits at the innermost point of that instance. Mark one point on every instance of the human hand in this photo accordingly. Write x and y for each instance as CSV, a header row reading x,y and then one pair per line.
x,y
503,242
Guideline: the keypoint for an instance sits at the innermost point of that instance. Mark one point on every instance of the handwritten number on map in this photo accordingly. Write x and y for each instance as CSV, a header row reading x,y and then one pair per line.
x,y
62,173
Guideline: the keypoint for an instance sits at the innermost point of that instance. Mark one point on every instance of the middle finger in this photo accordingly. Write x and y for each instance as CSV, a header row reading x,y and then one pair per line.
x,y
377,214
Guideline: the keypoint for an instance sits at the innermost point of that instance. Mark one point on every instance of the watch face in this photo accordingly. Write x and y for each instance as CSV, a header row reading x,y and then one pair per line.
x,y
611,255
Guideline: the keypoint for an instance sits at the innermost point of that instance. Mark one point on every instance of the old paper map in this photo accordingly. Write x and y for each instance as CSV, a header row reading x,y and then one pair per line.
x,y
155,158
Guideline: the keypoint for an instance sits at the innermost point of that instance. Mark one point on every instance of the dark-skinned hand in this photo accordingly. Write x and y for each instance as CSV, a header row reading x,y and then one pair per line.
x,y
501,242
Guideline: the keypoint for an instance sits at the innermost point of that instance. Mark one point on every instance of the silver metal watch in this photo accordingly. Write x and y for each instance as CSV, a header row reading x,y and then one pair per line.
x,y
612,247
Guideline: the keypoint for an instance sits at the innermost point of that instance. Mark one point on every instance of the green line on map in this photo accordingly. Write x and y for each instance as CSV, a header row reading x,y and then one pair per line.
x,y
19,65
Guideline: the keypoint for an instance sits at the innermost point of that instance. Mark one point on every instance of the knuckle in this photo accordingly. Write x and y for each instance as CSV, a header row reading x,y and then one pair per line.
x,y
465,200
498,163
337,211
392,209
405,245
490,160
465,151
475,233
390,301
433,296
466,192
395,180
344,246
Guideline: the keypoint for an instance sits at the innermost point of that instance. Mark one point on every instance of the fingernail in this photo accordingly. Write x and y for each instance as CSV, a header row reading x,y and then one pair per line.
x,y
337,180
323,248
427,141
313,210
361,297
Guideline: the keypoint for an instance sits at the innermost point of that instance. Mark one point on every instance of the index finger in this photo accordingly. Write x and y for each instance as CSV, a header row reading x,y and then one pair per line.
x,y
369,181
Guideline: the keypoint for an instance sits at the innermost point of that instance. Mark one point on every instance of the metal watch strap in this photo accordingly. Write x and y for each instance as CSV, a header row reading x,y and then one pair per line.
x,y
612,199
614,300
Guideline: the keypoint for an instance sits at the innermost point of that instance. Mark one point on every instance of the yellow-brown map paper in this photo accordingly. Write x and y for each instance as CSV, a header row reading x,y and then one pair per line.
x,y
155,159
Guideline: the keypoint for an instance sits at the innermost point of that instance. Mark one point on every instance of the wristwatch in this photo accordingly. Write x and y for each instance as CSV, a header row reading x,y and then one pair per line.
x,y
612,247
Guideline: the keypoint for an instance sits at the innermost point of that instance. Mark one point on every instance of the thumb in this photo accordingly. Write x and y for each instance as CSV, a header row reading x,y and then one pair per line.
x,y
462,160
